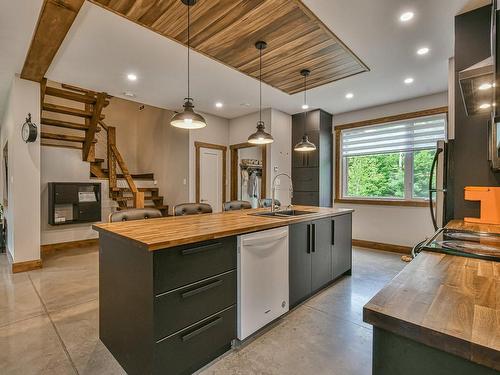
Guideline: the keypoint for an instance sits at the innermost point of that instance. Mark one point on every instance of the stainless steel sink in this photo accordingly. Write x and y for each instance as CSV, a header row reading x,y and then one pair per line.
x,y
282,214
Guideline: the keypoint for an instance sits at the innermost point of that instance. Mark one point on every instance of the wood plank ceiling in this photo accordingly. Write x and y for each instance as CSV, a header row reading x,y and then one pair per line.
x,y
226,31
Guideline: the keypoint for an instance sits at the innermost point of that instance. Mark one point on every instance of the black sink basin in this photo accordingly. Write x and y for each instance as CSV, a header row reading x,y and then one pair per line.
x,y
282,214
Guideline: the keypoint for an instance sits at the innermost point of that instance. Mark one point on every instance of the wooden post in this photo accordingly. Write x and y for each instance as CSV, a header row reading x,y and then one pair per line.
x,y
139,199
111,160
92,124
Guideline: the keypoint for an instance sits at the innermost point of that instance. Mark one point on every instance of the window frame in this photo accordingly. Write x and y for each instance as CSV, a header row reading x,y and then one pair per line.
x,y
340,166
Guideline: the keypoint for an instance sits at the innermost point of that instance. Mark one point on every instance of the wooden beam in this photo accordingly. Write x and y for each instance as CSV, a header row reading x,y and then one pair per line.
x,y
54,22
94,120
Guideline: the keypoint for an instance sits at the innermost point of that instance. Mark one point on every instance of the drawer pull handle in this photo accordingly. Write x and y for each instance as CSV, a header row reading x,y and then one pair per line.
x,y
201,289
200,249
202,329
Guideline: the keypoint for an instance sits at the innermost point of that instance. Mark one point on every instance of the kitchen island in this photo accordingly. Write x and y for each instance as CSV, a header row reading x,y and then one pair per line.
x,y
168,287
440,315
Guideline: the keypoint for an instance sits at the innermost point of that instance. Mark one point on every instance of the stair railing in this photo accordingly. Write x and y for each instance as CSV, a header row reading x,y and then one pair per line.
x,y
114,159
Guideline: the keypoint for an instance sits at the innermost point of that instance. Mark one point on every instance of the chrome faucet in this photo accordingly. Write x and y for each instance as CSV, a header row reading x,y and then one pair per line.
x,y
273,191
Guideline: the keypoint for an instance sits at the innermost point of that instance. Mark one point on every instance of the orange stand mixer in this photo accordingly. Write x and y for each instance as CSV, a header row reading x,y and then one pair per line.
x,y
490,203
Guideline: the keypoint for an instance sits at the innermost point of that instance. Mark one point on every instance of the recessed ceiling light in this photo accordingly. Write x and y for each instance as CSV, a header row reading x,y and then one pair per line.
x,y
245,104
485,106
406,16
305,106
485,86
218,105
409,80
423,51
131,77
349,95
129,94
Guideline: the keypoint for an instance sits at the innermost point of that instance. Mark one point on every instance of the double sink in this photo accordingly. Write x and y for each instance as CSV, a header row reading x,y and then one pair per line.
x,y
282,214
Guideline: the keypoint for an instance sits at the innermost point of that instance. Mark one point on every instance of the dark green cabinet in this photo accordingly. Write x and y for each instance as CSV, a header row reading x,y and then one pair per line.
x,y
310,258
312,171
341,245
299,262
320,251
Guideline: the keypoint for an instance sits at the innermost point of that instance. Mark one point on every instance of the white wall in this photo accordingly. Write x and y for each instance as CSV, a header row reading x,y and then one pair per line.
x,y
279,124
22,212
396,225
281,158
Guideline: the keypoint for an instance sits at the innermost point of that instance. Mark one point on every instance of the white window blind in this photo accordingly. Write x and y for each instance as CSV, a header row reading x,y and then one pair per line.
x,y
402,136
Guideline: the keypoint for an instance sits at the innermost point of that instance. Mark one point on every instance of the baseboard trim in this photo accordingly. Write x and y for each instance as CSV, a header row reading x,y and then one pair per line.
x,y
26,266
382,246
52,248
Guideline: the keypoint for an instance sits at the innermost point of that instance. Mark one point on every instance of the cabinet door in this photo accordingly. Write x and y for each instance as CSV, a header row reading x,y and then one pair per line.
x,y
342,244
306,198
305,179
321,253
299,262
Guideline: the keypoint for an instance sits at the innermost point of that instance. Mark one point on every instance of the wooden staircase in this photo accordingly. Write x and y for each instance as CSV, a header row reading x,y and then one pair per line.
x,y
61,129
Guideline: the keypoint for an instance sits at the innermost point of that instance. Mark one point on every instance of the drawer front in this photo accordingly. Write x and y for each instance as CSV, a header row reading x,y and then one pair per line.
x,y
192,348
187,264
305,198
305,179
184,306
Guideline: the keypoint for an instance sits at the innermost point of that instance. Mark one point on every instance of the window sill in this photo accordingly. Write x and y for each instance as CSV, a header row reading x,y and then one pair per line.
x,y
384,202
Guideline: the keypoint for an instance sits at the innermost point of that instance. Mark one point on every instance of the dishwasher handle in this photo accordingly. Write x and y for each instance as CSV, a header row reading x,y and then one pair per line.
x,y
265,240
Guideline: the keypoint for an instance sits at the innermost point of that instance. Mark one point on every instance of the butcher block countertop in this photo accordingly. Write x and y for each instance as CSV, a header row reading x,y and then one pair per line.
x,y
162,233
448,302
473,227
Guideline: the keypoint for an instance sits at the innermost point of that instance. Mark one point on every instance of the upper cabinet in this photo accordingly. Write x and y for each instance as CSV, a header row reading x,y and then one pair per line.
x,y
312,171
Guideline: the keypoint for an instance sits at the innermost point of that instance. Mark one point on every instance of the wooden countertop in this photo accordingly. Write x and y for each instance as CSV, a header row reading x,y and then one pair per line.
x,y
448,302
473,227
166,232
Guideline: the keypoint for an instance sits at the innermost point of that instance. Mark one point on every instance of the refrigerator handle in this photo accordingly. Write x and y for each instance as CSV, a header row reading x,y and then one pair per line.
x,y
432,190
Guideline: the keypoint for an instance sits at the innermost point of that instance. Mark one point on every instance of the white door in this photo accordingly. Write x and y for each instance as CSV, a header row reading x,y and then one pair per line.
x,y
211,178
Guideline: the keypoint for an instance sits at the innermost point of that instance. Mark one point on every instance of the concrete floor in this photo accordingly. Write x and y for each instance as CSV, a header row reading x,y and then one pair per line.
x,y
49,323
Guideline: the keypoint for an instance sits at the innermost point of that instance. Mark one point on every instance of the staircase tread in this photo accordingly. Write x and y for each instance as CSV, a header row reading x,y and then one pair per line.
x,y
61,145
70,95
65,124
126,190
63,137
67,110
146,197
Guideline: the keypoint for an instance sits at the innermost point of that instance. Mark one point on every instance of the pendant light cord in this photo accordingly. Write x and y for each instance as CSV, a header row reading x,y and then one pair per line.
x,y
260,85
305,102
188,45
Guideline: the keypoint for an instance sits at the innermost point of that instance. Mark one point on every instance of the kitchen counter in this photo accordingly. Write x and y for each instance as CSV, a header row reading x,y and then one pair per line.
x,y
473,227
161,233
445,302
180,276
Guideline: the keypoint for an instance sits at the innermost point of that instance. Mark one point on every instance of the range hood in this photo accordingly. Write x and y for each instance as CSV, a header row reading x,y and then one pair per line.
x,y
476,85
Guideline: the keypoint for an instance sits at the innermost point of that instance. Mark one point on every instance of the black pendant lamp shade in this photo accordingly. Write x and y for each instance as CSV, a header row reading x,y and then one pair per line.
x,y
260,137
188,118
305,145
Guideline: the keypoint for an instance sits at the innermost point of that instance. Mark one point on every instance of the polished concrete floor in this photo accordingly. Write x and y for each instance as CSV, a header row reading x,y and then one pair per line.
x,y
49,323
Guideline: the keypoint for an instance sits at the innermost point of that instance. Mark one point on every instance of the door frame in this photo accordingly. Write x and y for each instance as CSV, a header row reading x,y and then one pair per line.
x,y
234,168
198,146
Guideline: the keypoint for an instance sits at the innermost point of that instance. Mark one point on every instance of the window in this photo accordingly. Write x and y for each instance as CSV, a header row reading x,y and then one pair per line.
x,y
389,161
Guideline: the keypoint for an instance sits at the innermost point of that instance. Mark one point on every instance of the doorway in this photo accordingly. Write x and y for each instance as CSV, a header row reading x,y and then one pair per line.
x,y
211,174
248,172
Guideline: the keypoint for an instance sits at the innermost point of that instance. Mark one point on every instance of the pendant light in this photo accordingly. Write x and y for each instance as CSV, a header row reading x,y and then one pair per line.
x,y
260,137
305,145
188,118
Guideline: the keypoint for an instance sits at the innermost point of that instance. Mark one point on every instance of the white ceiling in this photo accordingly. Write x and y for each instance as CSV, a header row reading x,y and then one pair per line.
x,y
101,48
